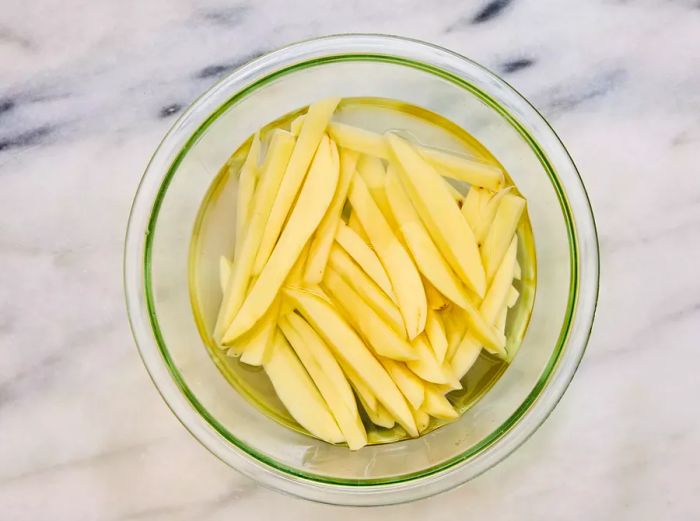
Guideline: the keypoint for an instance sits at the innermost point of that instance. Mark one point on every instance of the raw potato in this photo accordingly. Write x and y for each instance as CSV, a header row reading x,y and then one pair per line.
x,y
403,274
452,165
380,417
346,415
364,394
435,331
340,261
380,336
501,320
373,173
488,204
309,139
314,198
513,295
427,256
427,366
364,256
258,345
296,125
349,348
495,300
437,405
323,356
435,299
408,383
442,217
224,272
354,225
281,146
325,234
246,188
501,232
518,272
298,392
422,419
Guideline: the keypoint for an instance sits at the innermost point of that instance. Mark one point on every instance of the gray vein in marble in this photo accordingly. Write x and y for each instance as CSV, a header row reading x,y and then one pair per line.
x,y
487,13
28,138
516,64
92,459
227,16
218,69
565,98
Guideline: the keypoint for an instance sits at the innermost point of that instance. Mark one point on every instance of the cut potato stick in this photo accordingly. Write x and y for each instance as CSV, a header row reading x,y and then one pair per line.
x,y
384,340
456,194
323,355
427,366
367,399
495,300
405,281
501,232
298,393
373,172
364,256
345,414
408,383
437,405
314,198
513,295
517,274
281,146
435,331
354,225
422,419
428,258
341,262
325,234
296,125
309,139
257,348
452,165
501,320
443,219
432,264
435,299
380,417
224,272
455,329
294,280
350,350
246,188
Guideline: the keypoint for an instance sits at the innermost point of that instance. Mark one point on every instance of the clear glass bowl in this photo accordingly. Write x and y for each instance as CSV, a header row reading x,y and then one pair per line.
x,y
157,260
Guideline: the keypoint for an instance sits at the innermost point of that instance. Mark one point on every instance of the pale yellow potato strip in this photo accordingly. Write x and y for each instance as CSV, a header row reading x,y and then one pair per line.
x,y
314,198
428,258
246,188
258,347
350,350
405,280
364,256
325,234
431,262
298,393
436,300
354,225
437,405
384,340
408,383
313,128
280,149
495,300
323,356
422,419
373,172
341,262
452,165
380,417
347,418
443,219
435,331
367,399
501,232
224,272
501,320
427,366
513,295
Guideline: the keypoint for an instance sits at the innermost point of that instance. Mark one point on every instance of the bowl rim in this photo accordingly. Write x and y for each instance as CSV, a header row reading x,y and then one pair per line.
x,y
185,405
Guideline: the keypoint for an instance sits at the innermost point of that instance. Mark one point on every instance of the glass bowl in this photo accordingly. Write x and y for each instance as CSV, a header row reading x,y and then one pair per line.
x,y
157,264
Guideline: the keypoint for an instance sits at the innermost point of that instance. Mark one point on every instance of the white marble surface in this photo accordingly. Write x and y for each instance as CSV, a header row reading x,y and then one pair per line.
x,y
86,91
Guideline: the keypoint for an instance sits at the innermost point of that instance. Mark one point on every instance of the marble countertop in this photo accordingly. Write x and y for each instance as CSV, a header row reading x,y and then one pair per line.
x,y
87,89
